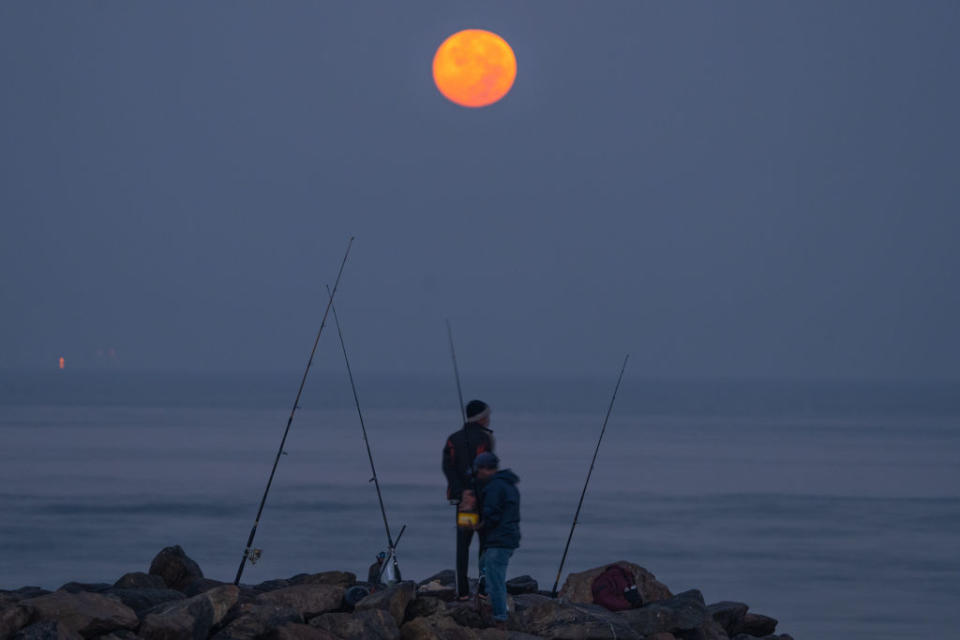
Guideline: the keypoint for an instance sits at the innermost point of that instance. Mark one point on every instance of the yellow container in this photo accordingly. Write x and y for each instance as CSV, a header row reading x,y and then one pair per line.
x,y
467,519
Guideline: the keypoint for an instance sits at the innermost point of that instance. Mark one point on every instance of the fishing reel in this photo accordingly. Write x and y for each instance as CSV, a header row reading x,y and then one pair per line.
x,y
253,554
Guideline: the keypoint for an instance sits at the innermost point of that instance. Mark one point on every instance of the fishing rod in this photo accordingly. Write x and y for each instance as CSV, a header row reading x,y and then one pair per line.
x,y
391,548
254,554
456,371
583,493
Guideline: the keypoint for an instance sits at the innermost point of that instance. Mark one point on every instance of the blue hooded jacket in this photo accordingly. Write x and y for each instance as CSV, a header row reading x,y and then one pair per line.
x,y
500,518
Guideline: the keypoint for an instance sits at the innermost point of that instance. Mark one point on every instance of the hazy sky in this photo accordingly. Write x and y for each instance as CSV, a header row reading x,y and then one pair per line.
x,y
722,189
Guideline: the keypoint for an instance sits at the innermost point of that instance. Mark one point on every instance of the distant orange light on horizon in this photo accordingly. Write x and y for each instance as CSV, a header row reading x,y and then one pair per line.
x,y
474,68
62,362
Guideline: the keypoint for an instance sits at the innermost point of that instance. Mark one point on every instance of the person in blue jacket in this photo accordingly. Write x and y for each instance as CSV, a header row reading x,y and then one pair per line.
x,y
499,527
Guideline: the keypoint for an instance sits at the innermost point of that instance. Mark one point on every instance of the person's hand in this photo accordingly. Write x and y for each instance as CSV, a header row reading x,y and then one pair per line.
x,y
468,501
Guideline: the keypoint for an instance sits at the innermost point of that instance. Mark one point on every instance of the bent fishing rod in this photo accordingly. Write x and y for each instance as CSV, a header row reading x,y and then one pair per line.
x,y
249,552
583,493
391,548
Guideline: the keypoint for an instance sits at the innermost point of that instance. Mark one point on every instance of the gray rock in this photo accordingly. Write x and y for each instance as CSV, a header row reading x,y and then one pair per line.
x,y
336,578
683,612
394,599
25,592
139,580
424,606
436,589
522,584
123,634
82,587
201,585
13,617
89,614
709,630
190,618
175,567
447,577
141,600
255,620
372,624
47,630
272,585
754,624
727,614
747,636
309,600
553,618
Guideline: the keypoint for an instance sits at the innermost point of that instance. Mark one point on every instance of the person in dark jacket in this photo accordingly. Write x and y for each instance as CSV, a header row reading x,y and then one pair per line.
x,y
461,448
499,527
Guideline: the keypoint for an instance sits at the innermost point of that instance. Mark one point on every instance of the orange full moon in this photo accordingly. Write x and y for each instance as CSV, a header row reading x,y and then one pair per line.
x,y
474,68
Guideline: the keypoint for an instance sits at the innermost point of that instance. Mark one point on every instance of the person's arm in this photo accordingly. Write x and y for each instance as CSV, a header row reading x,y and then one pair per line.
x,y
454,484
494,500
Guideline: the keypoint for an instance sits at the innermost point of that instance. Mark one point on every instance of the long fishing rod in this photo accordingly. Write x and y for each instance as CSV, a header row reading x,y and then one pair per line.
x,y
583,493
249,552
363,428
456,371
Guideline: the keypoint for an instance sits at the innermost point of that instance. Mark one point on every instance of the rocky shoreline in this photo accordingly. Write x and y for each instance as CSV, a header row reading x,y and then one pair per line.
x,y
173,600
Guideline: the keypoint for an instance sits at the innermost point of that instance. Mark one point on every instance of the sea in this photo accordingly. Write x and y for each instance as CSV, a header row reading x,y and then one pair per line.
x,y
833,506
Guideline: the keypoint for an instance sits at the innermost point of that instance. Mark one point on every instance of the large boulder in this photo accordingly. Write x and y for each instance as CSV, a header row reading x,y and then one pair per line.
x,y
175,567
80,587
424,607
709,630
372,624
522,584
190,618
89,614
47,630
445,577
727,614
139,580
754,624
394,599
308,600
252,621
13,617
437,627
682,612
577,587
437,590
23,593
548,617
142,599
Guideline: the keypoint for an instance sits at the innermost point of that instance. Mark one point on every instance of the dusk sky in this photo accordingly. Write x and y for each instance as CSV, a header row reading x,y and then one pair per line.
x,y
721,189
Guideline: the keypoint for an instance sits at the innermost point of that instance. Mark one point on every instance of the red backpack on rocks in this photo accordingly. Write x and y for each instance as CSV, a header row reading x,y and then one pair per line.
x,y
615,589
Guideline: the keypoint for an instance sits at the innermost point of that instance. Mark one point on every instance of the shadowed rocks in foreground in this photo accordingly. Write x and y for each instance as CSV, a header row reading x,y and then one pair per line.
x,y
175,601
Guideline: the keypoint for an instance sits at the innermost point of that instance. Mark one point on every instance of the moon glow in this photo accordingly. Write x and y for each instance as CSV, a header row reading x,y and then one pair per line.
x,y
474,68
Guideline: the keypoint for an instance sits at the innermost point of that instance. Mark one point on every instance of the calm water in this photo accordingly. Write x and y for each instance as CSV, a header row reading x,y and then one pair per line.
x,y
833,507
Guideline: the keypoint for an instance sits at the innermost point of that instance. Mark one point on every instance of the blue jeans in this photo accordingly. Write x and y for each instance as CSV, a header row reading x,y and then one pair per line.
x,y
495,561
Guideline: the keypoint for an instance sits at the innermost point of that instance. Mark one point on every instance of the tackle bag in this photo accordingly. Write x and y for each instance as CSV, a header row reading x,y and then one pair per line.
x,y
615,589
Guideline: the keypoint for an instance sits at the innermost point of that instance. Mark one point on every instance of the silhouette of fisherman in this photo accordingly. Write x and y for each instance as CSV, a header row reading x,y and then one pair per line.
x,y
461,449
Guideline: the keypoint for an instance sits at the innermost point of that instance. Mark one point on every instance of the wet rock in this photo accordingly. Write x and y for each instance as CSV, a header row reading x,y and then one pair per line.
x,y
13,617
47,630
577,587
295,631
683,612
309,600
335,578
81,587
522,584
190,618
394,599
175,567
727,614
373,624
89,614
754,624
142,599
256,620
139,580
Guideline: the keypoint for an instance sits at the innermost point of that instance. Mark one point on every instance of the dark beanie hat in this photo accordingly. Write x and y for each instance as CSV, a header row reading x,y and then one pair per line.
x,y
486,460
476,410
